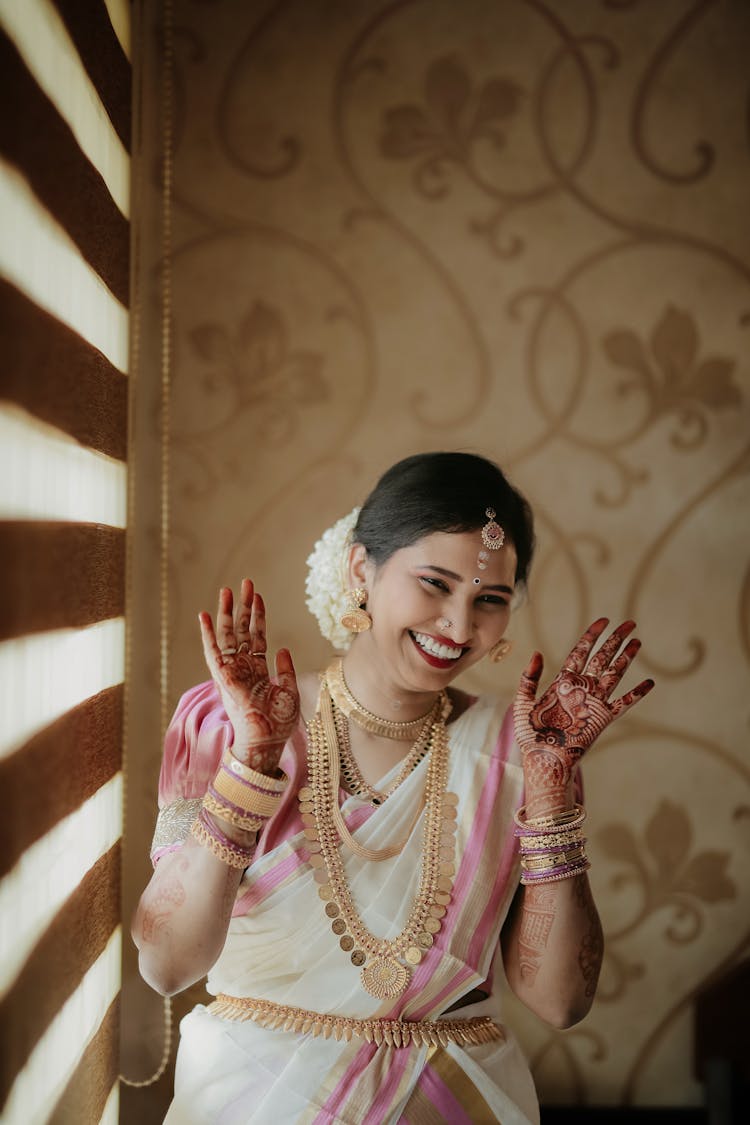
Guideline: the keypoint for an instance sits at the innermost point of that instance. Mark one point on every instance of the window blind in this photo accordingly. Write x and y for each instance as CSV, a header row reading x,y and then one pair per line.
x,y
65,79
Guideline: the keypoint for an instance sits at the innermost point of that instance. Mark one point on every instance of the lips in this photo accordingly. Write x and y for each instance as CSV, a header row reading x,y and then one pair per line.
x,y
436,653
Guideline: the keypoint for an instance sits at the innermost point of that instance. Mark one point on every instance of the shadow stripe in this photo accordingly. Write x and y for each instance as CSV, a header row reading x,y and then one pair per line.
x,y
60,174
89,26
59,377
59,575
57,770
65,952
85,1096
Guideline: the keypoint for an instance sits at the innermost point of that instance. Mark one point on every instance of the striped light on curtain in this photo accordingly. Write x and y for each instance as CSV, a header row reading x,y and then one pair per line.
x,y
64,274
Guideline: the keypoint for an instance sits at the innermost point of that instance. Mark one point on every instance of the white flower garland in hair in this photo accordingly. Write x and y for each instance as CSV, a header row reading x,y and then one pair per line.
x,y
326,580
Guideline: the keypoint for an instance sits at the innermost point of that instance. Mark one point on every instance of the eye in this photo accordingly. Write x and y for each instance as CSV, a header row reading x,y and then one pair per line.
x,y
493,599
436,583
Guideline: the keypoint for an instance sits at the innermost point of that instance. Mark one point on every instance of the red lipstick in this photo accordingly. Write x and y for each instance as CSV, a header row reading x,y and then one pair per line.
x,y
435,661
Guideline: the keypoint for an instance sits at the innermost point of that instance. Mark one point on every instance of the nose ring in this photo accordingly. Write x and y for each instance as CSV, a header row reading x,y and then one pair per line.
x,y
444,623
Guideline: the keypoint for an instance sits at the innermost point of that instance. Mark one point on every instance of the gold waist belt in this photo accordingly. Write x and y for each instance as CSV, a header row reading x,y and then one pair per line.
x,y
396,1033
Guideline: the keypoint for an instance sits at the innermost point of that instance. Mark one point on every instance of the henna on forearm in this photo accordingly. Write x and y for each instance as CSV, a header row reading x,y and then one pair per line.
x,y
548,783
168,896
537,916
592,944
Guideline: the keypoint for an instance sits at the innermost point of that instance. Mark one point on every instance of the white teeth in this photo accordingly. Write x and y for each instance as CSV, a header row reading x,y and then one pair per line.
x,y
443,652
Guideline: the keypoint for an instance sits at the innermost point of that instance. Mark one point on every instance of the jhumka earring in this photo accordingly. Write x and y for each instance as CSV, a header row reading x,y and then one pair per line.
x,y
355,618
500,650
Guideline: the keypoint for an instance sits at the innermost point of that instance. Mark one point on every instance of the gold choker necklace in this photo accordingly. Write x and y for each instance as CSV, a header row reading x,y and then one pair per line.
x,y
368,720
383,972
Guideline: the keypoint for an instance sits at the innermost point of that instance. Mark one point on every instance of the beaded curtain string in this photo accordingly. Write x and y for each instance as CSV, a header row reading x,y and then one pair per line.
x,y
167,93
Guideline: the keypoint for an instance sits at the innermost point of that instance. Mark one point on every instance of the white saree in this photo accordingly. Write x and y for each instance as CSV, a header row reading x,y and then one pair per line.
x,y
280,948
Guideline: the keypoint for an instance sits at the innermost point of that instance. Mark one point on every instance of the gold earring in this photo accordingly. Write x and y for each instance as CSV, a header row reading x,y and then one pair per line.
x,y
354,618
499,651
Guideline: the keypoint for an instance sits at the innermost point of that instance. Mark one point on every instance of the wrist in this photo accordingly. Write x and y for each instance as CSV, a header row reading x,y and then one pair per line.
x,y
239,836
547,801
263,759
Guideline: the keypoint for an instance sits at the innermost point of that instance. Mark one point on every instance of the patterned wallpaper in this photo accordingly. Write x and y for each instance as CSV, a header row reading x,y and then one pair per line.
x,y
513,226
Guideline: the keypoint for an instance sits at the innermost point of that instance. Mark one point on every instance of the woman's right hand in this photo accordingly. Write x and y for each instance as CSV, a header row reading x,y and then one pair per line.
x,y
263,711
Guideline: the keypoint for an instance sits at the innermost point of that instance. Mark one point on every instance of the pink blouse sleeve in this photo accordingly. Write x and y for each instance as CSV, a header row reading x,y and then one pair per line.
x,y
195,740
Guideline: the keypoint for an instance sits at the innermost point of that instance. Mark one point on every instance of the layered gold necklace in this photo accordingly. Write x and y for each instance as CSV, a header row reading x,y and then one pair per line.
x,y
351,773
385,965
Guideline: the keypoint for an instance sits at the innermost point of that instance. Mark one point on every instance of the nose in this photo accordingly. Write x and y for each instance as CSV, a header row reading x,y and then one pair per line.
x,y
456,624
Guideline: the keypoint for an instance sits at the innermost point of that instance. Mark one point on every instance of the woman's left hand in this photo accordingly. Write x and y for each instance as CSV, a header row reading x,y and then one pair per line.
x,y
556,730
263,710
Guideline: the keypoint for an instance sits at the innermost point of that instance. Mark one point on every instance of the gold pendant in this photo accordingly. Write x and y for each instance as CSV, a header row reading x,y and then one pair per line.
x,y
385,978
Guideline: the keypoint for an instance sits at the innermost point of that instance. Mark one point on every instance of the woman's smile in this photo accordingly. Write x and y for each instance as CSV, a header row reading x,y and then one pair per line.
x,y
437,651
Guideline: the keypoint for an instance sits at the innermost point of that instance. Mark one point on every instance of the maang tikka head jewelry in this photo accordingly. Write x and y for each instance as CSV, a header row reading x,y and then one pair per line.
x,y
355,618
493,537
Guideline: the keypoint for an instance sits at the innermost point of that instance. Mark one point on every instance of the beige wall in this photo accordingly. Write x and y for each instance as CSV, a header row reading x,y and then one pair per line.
x,y
516,228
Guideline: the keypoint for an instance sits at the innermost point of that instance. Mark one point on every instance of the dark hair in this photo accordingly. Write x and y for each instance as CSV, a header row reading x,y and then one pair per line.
x,y
442,492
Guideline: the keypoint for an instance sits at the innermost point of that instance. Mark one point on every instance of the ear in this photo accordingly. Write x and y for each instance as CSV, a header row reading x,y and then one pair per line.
x,y
358,570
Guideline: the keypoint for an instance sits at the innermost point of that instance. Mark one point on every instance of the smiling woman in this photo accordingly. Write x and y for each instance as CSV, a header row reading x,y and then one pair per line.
x,y
345,852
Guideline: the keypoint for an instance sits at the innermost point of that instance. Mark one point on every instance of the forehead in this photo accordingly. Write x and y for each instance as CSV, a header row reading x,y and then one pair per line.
x,y
459,552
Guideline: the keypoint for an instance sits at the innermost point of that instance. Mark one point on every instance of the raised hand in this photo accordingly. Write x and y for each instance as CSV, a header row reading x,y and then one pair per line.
x,y
263,711
556,730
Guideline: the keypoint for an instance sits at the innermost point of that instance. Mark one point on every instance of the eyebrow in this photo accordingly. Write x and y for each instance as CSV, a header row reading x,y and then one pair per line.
x,y
458,578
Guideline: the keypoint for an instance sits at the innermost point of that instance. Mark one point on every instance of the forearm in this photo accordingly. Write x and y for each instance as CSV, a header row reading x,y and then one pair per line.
x,y
553,944
182,919
552,949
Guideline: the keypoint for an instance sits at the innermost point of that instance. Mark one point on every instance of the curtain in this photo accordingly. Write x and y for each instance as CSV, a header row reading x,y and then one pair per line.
x,y
64,278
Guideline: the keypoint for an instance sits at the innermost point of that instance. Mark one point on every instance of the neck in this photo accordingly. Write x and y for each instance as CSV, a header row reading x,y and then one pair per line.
x,y
375,688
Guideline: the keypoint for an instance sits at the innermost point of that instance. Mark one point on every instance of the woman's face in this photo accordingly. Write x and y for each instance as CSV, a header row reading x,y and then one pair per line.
x,y
420,588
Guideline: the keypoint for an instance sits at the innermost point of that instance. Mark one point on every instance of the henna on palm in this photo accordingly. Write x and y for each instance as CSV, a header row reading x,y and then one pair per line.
x,y
556,730
268,720
263,711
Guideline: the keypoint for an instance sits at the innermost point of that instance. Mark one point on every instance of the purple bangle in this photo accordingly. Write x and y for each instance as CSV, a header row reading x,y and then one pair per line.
x,y
208,823
231,805
555,872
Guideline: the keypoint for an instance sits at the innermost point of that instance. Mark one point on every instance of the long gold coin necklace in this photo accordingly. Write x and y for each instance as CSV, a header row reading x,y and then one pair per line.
x,y
385,965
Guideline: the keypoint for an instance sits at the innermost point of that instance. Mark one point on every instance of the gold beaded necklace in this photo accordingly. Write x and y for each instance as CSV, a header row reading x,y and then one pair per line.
x,y
383,972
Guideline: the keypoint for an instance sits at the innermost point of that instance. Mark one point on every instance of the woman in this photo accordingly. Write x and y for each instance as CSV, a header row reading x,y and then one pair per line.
x,y
341,853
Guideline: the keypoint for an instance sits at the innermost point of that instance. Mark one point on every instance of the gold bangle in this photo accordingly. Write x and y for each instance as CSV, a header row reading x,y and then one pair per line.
x,y
552,839
569,818
262,780
245,798
232,854
552,859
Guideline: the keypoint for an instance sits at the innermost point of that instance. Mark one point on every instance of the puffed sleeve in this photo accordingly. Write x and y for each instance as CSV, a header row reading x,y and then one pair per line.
x,y
195,740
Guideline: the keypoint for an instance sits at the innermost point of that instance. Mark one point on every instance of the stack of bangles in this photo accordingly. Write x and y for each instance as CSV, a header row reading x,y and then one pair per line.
x,y
243,798
552,847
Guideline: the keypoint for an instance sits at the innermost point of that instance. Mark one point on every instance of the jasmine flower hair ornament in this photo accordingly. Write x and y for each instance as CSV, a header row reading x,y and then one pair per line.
x,y
326,588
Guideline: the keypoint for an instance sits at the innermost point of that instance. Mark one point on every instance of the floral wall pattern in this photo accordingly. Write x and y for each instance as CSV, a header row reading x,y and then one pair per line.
x,y
516,227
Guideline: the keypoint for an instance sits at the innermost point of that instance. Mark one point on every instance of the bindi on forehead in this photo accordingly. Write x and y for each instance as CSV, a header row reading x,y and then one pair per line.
x,y
500,586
